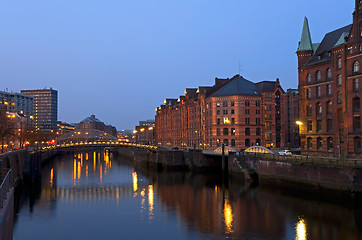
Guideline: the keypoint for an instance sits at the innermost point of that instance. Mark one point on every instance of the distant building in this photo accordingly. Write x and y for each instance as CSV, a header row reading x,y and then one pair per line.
x,y
235,112
64,127
45,108
329,92
291,116
144,132
94,123
18,103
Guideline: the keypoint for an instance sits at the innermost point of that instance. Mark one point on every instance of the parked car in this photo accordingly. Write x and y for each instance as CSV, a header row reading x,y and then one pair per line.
x,y
285,153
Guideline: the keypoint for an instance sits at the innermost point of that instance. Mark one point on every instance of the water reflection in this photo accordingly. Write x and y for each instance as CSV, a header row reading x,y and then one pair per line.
x,y
121,198
301,232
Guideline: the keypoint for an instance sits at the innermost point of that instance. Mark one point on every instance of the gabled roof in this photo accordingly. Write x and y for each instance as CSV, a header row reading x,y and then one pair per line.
x,y
237,86
330,41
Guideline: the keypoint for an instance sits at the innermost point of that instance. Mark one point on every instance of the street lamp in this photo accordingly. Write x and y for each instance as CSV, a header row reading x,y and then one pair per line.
x,y
299,123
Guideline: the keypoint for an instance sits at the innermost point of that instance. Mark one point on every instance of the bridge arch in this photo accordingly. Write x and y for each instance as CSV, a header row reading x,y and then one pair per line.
x,y
258,149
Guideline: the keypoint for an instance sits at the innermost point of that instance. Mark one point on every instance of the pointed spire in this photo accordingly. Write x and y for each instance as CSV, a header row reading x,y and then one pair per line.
x,y
305,43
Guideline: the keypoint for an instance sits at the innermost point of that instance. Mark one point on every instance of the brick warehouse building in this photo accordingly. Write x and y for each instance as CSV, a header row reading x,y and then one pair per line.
x,y
329,105
235,111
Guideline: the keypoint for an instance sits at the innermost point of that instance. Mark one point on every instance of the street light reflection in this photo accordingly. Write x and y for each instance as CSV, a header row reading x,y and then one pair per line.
x,y
228,216
150,201
135,181
301,230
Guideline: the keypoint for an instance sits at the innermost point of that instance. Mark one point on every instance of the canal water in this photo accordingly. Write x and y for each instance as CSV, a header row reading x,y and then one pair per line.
x,y
95,195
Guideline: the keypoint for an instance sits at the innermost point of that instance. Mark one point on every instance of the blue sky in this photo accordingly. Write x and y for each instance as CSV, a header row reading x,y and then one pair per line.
x,y
120,59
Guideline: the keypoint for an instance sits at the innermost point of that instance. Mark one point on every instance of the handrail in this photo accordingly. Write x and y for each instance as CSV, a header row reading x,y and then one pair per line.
x,y
6,185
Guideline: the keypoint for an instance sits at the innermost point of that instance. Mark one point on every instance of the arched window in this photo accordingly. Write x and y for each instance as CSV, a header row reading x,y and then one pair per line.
x,y
329,74
329,144
309,78
339,80
218,132
355,85
356,104
232,131
225,131
339,62
258,142
356,67
329,107
319,76
318,91
319,143
319,108
233,142
247,131
357,144
309,109
247,142
226,142
309,143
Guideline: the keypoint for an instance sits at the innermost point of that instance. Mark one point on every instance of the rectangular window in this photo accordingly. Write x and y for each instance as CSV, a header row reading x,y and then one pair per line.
x,y
329,90
217,112
232,120
267,126
356,124
309,126
329,125
218,121
319,125
247,121
232,111
268,136
232,104
339,97
258,121
309,93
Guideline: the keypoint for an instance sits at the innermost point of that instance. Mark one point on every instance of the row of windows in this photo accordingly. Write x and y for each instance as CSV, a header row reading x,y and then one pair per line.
x,y
318,75
225,132
248,143
232,104
329,143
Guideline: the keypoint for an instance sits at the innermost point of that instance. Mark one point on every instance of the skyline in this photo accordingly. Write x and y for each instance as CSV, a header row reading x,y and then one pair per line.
x,y
94,51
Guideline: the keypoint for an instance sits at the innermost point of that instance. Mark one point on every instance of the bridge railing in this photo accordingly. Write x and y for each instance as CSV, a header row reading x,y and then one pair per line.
x,y
7,182
84,144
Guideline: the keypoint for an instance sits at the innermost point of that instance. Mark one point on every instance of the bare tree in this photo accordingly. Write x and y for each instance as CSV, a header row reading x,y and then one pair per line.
x,y
7,129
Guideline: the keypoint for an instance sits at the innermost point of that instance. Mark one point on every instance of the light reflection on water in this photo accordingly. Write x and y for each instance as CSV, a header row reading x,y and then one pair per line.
x,y
118,200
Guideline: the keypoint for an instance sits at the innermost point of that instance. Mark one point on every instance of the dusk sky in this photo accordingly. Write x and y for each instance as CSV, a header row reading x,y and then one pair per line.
x,y
120,59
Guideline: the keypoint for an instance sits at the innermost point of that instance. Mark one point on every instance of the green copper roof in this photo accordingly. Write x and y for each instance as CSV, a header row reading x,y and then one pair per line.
x,y
342,39
315,46
305,43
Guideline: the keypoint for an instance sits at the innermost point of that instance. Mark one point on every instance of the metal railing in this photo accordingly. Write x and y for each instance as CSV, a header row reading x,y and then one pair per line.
x,y
314,160
7,182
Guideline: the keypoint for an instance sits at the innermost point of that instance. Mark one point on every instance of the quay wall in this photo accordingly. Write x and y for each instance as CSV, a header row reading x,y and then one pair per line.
x,y
7,217
327,177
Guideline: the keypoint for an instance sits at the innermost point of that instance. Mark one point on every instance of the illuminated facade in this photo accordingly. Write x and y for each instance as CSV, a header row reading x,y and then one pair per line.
x,y
144,132
17,103
234,112
329,105
45,107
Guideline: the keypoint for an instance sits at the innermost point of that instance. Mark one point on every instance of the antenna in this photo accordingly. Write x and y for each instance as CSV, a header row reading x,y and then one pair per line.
x,y
240,66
